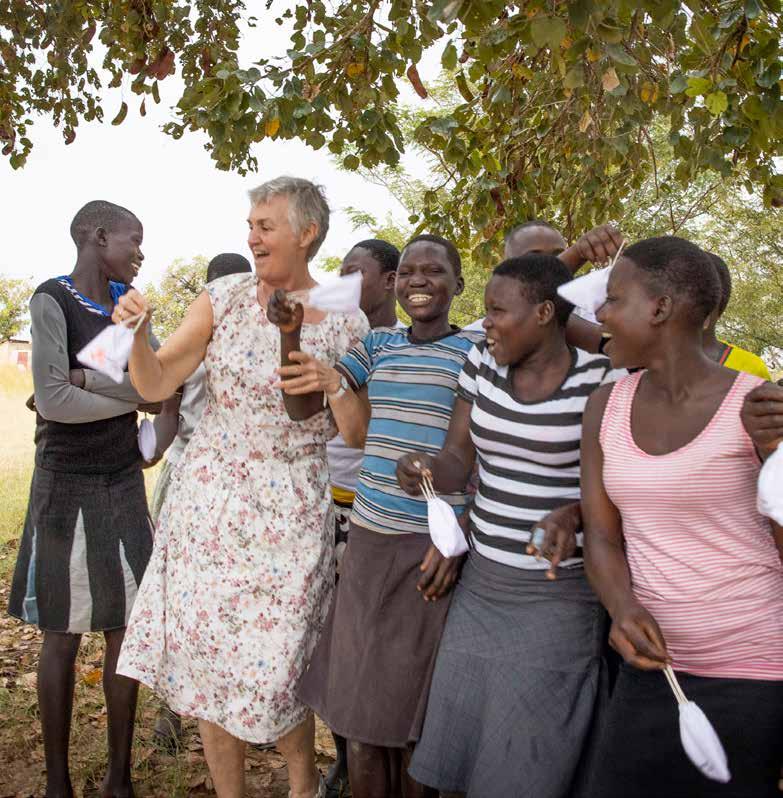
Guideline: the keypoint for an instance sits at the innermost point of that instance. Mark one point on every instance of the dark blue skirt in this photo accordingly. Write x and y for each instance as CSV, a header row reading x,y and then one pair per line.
x,y
86,542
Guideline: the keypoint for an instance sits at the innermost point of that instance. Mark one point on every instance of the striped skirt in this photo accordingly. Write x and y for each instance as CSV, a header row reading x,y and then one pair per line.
x,y
86,542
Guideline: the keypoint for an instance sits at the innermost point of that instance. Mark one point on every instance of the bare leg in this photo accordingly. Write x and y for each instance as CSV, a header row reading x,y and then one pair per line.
x,y
121,694
369,771
225,756
55,703
298,748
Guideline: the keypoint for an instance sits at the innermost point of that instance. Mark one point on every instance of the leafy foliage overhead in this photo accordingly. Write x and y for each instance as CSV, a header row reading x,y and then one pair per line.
x,y
14,296
556,97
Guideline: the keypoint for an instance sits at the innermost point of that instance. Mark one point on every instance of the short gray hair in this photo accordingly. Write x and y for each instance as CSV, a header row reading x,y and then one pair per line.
x,y
306,204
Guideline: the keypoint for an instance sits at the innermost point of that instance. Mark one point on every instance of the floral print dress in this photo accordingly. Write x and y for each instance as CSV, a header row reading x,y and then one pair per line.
x,y
242,570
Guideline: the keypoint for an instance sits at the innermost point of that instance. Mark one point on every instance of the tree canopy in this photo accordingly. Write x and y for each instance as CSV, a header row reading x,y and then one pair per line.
x,y
14,296
555,99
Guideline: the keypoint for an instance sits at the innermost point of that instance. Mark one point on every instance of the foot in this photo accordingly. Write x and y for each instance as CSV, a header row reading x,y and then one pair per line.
x,y
320,790
119,789
168,730
337,785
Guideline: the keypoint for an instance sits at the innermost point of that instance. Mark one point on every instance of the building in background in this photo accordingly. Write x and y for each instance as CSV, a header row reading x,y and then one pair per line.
x,y
17,351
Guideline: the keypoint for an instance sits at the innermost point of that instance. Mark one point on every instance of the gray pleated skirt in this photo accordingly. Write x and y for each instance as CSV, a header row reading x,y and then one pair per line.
x,y
518,685
86,543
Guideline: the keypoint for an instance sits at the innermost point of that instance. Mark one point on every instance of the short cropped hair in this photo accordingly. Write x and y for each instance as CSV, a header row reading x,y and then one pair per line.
x,y
306,204
680,269
95,214
724,275
227,263
539,276
452,253
525,225
386,254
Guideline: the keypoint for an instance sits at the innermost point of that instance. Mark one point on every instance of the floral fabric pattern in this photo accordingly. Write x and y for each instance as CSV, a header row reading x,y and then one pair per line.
x,y
242,572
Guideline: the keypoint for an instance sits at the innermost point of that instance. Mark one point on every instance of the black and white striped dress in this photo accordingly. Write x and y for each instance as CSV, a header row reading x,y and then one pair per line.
x,y
87,536
518,679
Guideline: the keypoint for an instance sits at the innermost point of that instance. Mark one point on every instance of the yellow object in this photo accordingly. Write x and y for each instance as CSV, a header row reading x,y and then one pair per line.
x,y
741,360
342,496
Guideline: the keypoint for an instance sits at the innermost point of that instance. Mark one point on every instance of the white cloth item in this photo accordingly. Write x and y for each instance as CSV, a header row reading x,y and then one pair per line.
x,y
445,530
147,440
701,743
341,295
587,292
769,499
109,351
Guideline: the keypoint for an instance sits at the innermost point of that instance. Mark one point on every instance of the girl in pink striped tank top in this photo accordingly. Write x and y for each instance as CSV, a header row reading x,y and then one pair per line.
x,y
674,546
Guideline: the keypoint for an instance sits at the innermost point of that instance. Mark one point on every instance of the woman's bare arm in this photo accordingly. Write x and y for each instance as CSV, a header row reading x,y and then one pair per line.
x,y
156,375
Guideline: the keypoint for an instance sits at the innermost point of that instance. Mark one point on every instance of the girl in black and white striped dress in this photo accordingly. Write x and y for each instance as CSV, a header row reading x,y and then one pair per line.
x,y
87,536
518,678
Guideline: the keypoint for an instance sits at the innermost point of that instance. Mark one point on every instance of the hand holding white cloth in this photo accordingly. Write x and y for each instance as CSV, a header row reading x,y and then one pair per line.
x,y
337,296
769,499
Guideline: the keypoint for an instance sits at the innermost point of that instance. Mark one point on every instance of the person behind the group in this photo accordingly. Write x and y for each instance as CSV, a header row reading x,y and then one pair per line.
x,y
376,260
537,237
675,547
174,426
369,674
729,355
87,536
518,679
243,568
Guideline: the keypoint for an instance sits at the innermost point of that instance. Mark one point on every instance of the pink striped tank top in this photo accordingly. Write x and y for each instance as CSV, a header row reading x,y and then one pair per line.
x,y
702,559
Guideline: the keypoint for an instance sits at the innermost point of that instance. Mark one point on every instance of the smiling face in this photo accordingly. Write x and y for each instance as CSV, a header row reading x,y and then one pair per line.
x,y
628,316
426,283
276,247
121,250
514,325
534,240
376,284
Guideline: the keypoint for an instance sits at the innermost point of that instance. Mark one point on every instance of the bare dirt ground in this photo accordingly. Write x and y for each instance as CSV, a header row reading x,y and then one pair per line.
x,y
156,773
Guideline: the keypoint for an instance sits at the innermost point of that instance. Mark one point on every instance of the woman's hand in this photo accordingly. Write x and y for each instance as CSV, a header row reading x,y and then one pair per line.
x,y
558,541
132,304
409,470
284,314
638,639
762,417
598,246
439,574
307,375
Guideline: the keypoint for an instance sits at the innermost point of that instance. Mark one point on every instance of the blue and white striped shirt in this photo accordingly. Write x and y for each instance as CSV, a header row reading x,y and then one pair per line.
x,y
411,386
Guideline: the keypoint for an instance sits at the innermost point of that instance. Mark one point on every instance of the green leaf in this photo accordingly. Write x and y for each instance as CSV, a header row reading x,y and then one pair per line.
x,y
678,84
752,9
717,102
547,31
698,86
351,162
574,78
449,57
620,55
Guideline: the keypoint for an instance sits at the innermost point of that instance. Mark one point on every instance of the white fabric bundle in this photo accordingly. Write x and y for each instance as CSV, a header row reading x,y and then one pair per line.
x,y
109,351
587,292
698,737
445,531
337,296
148,440
769,499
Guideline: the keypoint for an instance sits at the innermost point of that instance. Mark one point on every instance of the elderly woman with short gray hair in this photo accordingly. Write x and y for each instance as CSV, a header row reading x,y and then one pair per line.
x,y
242,571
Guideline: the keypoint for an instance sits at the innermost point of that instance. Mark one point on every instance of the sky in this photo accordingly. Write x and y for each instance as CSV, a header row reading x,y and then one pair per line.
x,y
186,205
